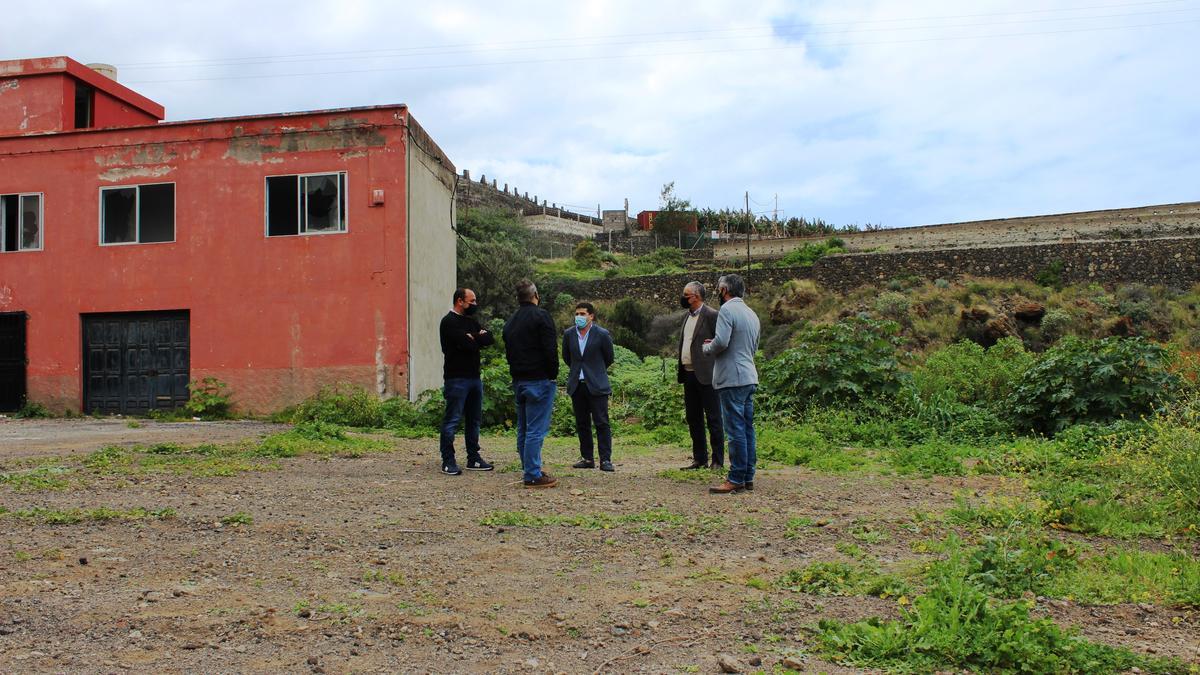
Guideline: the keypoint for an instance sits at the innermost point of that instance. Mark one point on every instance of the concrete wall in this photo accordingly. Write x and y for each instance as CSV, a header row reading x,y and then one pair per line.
x,y
1169,220
1168,262
274,317
551,223
432,267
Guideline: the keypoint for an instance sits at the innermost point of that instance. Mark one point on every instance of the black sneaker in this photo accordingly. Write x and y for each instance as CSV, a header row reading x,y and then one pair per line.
x,y
451,470
584,464
606,466
479,464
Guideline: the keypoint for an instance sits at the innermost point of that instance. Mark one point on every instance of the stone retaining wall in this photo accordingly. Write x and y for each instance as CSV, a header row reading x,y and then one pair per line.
x,y
1167,262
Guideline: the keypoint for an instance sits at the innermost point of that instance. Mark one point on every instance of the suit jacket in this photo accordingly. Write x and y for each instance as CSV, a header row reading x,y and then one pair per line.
x,y
594,362
706,327
734,345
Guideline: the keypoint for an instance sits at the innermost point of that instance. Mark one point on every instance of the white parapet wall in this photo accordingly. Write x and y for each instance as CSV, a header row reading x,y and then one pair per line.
x,y
1167,220
545,222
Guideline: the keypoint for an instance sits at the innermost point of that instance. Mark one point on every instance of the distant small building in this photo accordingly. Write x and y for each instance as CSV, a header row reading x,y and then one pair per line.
x,y
277,253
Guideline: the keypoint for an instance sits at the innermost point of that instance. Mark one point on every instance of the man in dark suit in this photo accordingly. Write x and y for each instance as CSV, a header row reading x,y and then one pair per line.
x,y
695,373
587,350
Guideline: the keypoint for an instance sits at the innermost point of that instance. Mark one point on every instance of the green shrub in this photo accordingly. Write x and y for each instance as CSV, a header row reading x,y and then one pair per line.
x,y
208,399
587,255
935,458
973,374
1080,380
342,404
1015,561
845,362
808,254
32,410
893,306
646,391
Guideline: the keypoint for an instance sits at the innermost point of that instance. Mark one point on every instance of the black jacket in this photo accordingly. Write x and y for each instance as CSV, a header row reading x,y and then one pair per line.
x,y
531,344
461,353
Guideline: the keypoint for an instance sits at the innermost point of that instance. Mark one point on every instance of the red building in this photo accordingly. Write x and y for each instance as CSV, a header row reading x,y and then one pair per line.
x,y
688,222
277,253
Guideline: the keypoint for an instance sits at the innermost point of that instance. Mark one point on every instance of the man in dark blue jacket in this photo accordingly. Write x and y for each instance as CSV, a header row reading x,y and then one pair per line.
x,y
531,348
588,350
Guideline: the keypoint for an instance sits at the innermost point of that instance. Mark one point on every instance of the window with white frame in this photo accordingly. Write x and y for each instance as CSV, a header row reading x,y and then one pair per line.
x,y
306,204
20,222
137,214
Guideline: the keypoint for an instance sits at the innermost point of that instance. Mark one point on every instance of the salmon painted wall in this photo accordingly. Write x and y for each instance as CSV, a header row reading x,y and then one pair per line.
x,y
274,317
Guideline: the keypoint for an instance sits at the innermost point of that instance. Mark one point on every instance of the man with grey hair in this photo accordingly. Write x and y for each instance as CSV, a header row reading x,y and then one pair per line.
x,y
735,378
531,347
694,371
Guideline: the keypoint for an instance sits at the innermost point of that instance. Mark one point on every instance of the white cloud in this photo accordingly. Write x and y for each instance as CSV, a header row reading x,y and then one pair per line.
x,y
852,112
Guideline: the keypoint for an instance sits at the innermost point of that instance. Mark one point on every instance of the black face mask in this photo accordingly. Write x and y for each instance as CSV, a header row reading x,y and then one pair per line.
x,y
471,310
683,302
722,300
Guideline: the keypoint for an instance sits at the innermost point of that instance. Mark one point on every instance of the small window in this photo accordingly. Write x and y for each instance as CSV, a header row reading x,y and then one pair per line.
x,y
306,204
85,99
20,222
137,214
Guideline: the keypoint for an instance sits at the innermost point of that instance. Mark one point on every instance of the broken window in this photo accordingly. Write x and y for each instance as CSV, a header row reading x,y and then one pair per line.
x,y
306,204
20,222
137,214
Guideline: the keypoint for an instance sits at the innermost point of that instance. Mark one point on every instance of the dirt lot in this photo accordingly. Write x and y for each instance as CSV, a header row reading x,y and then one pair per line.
x,y
381,564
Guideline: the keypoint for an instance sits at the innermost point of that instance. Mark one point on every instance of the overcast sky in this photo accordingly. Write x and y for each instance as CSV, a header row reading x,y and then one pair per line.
x,y
900,113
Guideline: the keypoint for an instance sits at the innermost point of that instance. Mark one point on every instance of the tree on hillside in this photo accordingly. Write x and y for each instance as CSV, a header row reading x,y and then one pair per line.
x,y
674,214
492,258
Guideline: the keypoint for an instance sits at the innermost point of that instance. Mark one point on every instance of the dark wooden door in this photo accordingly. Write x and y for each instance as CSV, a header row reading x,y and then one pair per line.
x,y
135,362
12,361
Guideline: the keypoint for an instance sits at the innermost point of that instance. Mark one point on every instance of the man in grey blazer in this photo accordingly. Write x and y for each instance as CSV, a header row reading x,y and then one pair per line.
x,y
695,372
587,349
735,378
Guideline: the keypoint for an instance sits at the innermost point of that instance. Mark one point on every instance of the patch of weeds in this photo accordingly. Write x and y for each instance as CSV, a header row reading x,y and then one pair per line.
x,y
22,556
1016,561
239,518
795,527
134,424
999,512
822,578
710,574
100,515
1131,575
804,446
936,458
40,478
866,533
511,467
850,550
1097,508
956,625
640,603
758,583
109,459
32,410
318,438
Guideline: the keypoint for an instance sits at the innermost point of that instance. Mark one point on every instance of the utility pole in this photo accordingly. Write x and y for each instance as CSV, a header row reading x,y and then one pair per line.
x,y
748,226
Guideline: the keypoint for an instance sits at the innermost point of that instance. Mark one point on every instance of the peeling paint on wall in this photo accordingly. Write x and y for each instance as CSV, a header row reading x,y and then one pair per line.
x,y
150,153
9,85
122,173
381,366
252,150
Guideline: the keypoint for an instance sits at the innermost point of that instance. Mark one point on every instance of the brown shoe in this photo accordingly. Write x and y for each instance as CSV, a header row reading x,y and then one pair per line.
x,y
543,481
726,488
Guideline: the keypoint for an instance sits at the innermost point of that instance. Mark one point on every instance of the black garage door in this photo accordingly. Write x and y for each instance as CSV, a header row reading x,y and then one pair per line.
x,y
12,361
135,362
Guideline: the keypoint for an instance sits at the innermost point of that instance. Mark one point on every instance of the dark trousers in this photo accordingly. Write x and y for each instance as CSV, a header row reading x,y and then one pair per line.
x,y
464,398
700,401
591,408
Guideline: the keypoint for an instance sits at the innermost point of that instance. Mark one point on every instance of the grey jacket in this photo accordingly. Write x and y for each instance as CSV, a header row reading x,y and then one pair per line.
x,y
734,345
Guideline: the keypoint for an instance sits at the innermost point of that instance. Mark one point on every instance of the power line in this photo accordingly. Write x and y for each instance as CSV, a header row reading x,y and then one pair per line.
x,y
572,41
610,57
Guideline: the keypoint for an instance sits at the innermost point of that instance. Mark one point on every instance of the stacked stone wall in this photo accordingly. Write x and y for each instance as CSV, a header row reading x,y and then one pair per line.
x,y
1173,263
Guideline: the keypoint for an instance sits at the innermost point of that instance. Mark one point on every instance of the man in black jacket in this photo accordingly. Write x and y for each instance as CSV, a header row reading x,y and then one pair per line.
x,y
462,338
531,346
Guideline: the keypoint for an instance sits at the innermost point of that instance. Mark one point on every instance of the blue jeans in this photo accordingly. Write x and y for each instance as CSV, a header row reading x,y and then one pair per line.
x,y
535,402
737,414
463,395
